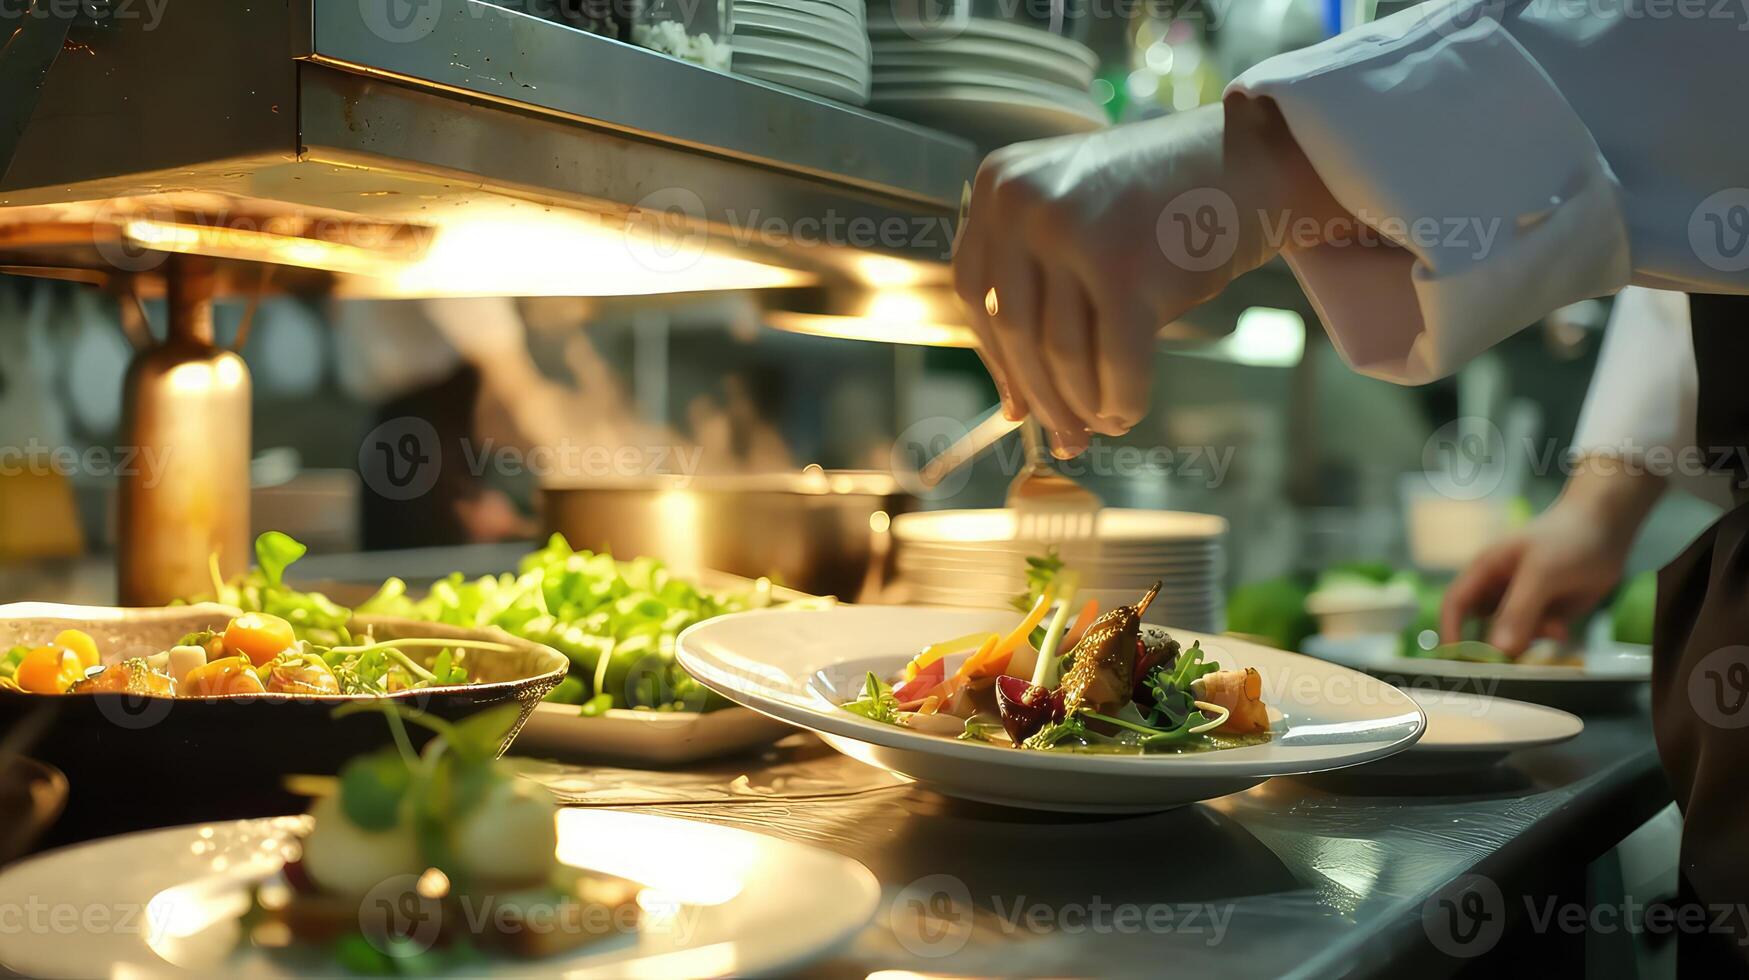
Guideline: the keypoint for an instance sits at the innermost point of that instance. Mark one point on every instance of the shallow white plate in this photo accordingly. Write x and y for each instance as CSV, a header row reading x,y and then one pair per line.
x,y
1154,530
838,29
884,28
1005,59
800,53
828,84
1465,731
1609,676
797,665
657,738
724,901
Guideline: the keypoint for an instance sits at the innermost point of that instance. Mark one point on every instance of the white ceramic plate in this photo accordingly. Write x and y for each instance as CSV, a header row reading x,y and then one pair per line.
x,y
884,28
1465,731
728,902
1118,528
838,29
984,56
658,738
1610,675
828,84
797,666
799,53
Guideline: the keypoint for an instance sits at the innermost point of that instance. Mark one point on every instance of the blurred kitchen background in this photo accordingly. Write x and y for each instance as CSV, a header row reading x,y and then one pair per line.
x,y
1311,463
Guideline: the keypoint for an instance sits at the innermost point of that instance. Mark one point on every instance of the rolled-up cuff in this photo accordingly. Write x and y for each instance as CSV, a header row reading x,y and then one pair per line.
x,y
1440,133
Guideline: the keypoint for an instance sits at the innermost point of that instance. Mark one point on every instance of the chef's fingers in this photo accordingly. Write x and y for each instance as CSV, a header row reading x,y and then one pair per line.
x,y
1069,345
1125,344
1013,405
971,280
1478,589
1521,613
1014,312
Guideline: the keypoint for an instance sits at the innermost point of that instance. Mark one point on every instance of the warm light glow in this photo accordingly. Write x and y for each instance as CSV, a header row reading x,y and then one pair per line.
x,y
577,255
220,241
887,272
635,846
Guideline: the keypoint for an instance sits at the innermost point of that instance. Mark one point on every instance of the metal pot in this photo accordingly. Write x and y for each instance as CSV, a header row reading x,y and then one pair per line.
x,y
819,531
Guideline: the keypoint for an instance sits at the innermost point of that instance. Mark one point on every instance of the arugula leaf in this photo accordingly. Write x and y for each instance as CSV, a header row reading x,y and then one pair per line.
x,y
877,702
977,730
1058,732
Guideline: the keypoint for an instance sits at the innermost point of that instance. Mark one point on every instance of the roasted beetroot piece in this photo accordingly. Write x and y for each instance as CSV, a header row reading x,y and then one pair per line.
x,y
1025,707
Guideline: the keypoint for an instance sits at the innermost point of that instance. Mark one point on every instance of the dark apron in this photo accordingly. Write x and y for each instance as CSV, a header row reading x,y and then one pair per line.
x,y
1700,682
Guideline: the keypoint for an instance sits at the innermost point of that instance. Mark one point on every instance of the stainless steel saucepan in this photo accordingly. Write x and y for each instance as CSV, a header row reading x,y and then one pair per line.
x,y
820,531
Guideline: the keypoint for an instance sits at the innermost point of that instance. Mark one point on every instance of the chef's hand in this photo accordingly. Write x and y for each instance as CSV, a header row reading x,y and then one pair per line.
x,y
1078,249
1537,582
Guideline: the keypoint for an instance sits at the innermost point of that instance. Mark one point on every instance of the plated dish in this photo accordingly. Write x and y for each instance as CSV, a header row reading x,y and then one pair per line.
x,y
1098,686
802,666
392,875
1598,677
1467,732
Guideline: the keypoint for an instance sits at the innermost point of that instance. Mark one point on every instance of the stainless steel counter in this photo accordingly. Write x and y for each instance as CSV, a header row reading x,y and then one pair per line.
x,y
1317,877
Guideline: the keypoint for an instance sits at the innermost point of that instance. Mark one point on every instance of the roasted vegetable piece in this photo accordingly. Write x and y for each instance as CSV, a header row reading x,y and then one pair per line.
x,y
258,636
80,643
48,670
301,673
227,676
1025,707
1241,693
132,676
1105,660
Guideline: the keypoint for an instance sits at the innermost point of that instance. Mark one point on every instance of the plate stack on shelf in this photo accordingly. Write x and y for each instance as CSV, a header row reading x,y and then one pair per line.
x,y
818,46
990,81
970,558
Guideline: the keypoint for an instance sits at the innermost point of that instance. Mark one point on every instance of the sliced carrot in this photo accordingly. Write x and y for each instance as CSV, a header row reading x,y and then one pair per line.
x,y
1024,630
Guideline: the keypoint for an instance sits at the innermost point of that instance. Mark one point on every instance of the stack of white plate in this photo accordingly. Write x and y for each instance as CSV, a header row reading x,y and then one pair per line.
x,y
990,81
818,46
971,558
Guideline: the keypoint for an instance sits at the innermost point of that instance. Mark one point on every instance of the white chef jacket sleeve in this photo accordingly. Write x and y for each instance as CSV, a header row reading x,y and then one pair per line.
x,y
1644,393
1524,155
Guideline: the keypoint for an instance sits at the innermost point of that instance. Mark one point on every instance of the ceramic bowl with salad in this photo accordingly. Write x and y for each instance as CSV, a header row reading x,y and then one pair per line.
x,y
199,710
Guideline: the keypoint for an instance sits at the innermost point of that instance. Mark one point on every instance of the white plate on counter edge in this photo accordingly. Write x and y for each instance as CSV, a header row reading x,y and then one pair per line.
x,y
645,738
1610,677
795,664
720,901
1467,732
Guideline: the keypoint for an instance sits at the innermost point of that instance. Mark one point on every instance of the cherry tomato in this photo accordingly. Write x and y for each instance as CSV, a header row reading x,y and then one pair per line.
x,y
80,643
48,670
229,676
258,636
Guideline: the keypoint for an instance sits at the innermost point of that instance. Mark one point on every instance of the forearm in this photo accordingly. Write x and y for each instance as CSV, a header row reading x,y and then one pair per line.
x,y
1613,493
